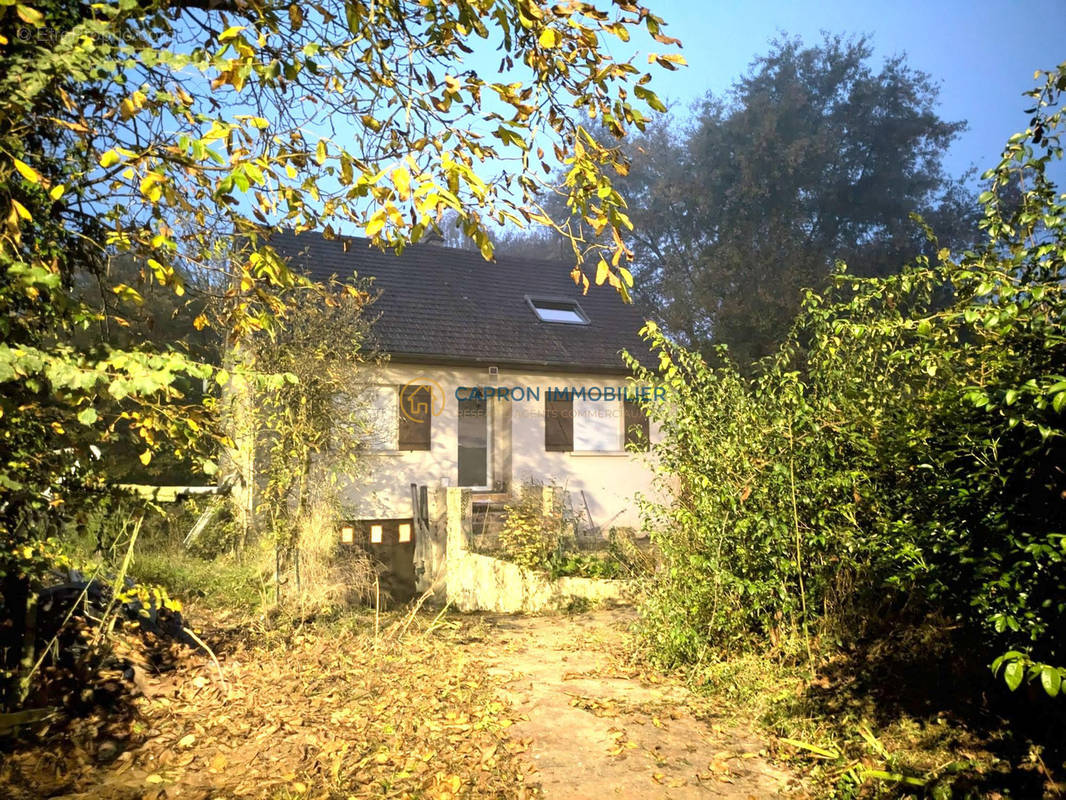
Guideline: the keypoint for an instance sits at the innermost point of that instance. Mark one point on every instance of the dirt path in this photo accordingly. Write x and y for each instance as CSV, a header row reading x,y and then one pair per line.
x,y
595,729
465,707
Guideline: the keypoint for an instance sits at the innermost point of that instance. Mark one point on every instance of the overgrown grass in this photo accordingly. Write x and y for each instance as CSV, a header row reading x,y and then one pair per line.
x,y
219,583
897,717
209,576
320,580
585,565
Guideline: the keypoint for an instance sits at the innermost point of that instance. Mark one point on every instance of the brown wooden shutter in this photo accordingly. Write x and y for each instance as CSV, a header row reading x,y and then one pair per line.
x,y
637,428
558,424
415,417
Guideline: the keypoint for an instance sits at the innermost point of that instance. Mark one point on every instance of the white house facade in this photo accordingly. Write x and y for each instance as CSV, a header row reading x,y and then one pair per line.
x,y
498,374
491,431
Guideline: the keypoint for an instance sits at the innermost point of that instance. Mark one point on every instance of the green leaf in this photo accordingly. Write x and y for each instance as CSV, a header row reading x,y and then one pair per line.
x,y
1050,679
30,16
87,416
1013,674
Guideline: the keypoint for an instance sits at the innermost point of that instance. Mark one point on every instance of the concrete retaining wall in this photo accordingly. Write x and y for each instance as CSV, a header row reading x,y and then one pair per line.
x,y
475,582
483,583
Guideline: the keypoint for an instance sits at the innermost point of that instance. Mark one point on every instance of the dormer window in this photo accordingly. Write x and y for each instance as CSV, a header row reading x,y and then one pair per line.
x,y
551,309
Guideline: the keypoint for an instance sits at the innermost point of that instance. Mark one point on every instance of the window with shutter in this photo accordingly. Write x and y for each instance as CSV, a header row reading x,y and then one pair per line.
x,y
414,417
558,424
636,425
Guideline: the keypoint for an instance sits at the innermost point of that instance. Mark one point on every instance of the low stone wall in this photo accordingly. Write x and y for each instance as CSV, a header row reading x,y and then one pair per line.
x,y
446,566
481,583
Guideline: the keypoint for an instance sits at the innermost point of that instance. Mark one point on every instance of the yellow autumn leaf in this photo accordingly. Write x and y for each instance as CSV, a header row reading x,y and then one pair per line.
x,y
27,172
377,222
401,179
21,211
602,271
230,33
150,187
549,38
668,60
146,456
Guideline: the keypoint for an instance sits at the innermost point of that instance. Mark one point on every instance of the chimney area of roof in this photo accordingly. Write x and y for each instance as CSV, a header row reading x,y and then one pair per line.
x,y
435,238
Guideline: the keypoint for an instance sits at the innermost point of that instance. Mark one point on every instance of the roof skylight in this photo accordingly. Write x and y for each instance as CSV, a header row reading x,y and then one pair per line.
x,y
558,310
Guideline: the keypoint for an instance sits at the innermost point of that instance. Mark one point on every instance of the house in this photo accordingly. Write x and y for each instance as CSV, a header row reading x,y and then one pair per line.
x,y
498,373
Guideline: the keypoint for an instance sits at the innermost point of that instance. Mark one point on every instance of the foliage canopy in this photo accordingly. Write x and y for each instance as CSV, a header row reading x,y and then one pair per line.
x,y
902,449
815,155
168,131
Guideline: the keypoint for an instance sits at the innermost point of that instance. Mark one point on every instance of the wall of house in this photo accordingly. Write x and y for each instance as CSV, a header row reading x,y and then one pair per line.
x,y
610,479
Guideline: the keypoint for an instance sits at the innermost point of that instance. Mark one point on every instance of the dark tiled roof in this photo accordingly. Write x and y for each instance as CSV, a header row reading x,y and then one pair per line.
x,y
441,304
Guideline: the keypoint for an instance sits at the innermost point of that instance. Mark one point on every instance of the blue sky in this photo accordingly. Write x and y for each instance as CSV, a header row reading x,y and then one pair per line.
x,y
983,54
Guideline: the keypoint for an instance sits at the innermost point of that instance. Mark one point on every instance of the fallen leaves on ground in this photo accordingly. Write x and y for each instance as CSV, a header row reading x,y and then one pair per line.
x,y
335,712
606,707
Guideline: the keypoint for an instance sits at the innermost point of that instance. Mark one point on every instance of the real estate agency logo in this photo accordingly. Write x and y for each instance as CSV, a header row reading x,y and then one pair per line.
x,y
420,399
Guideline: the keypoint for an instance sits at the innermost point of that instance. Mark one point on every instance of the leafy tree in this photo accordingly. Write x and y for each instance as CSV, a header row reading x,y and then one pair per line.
x,y
308,430
898,450
163,131
150,318
814,156
176,133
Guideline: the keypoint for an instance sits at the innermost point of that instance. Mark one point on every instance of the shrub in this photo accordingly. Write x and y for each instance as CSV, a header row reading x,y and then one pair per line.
x,y
585,565
531,533
903,448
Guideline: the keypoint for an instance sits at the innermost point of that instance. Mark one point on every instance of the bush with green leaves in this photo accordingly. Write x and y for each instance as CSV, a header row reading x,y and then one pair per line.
x,y
904,449
531,533
585,565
